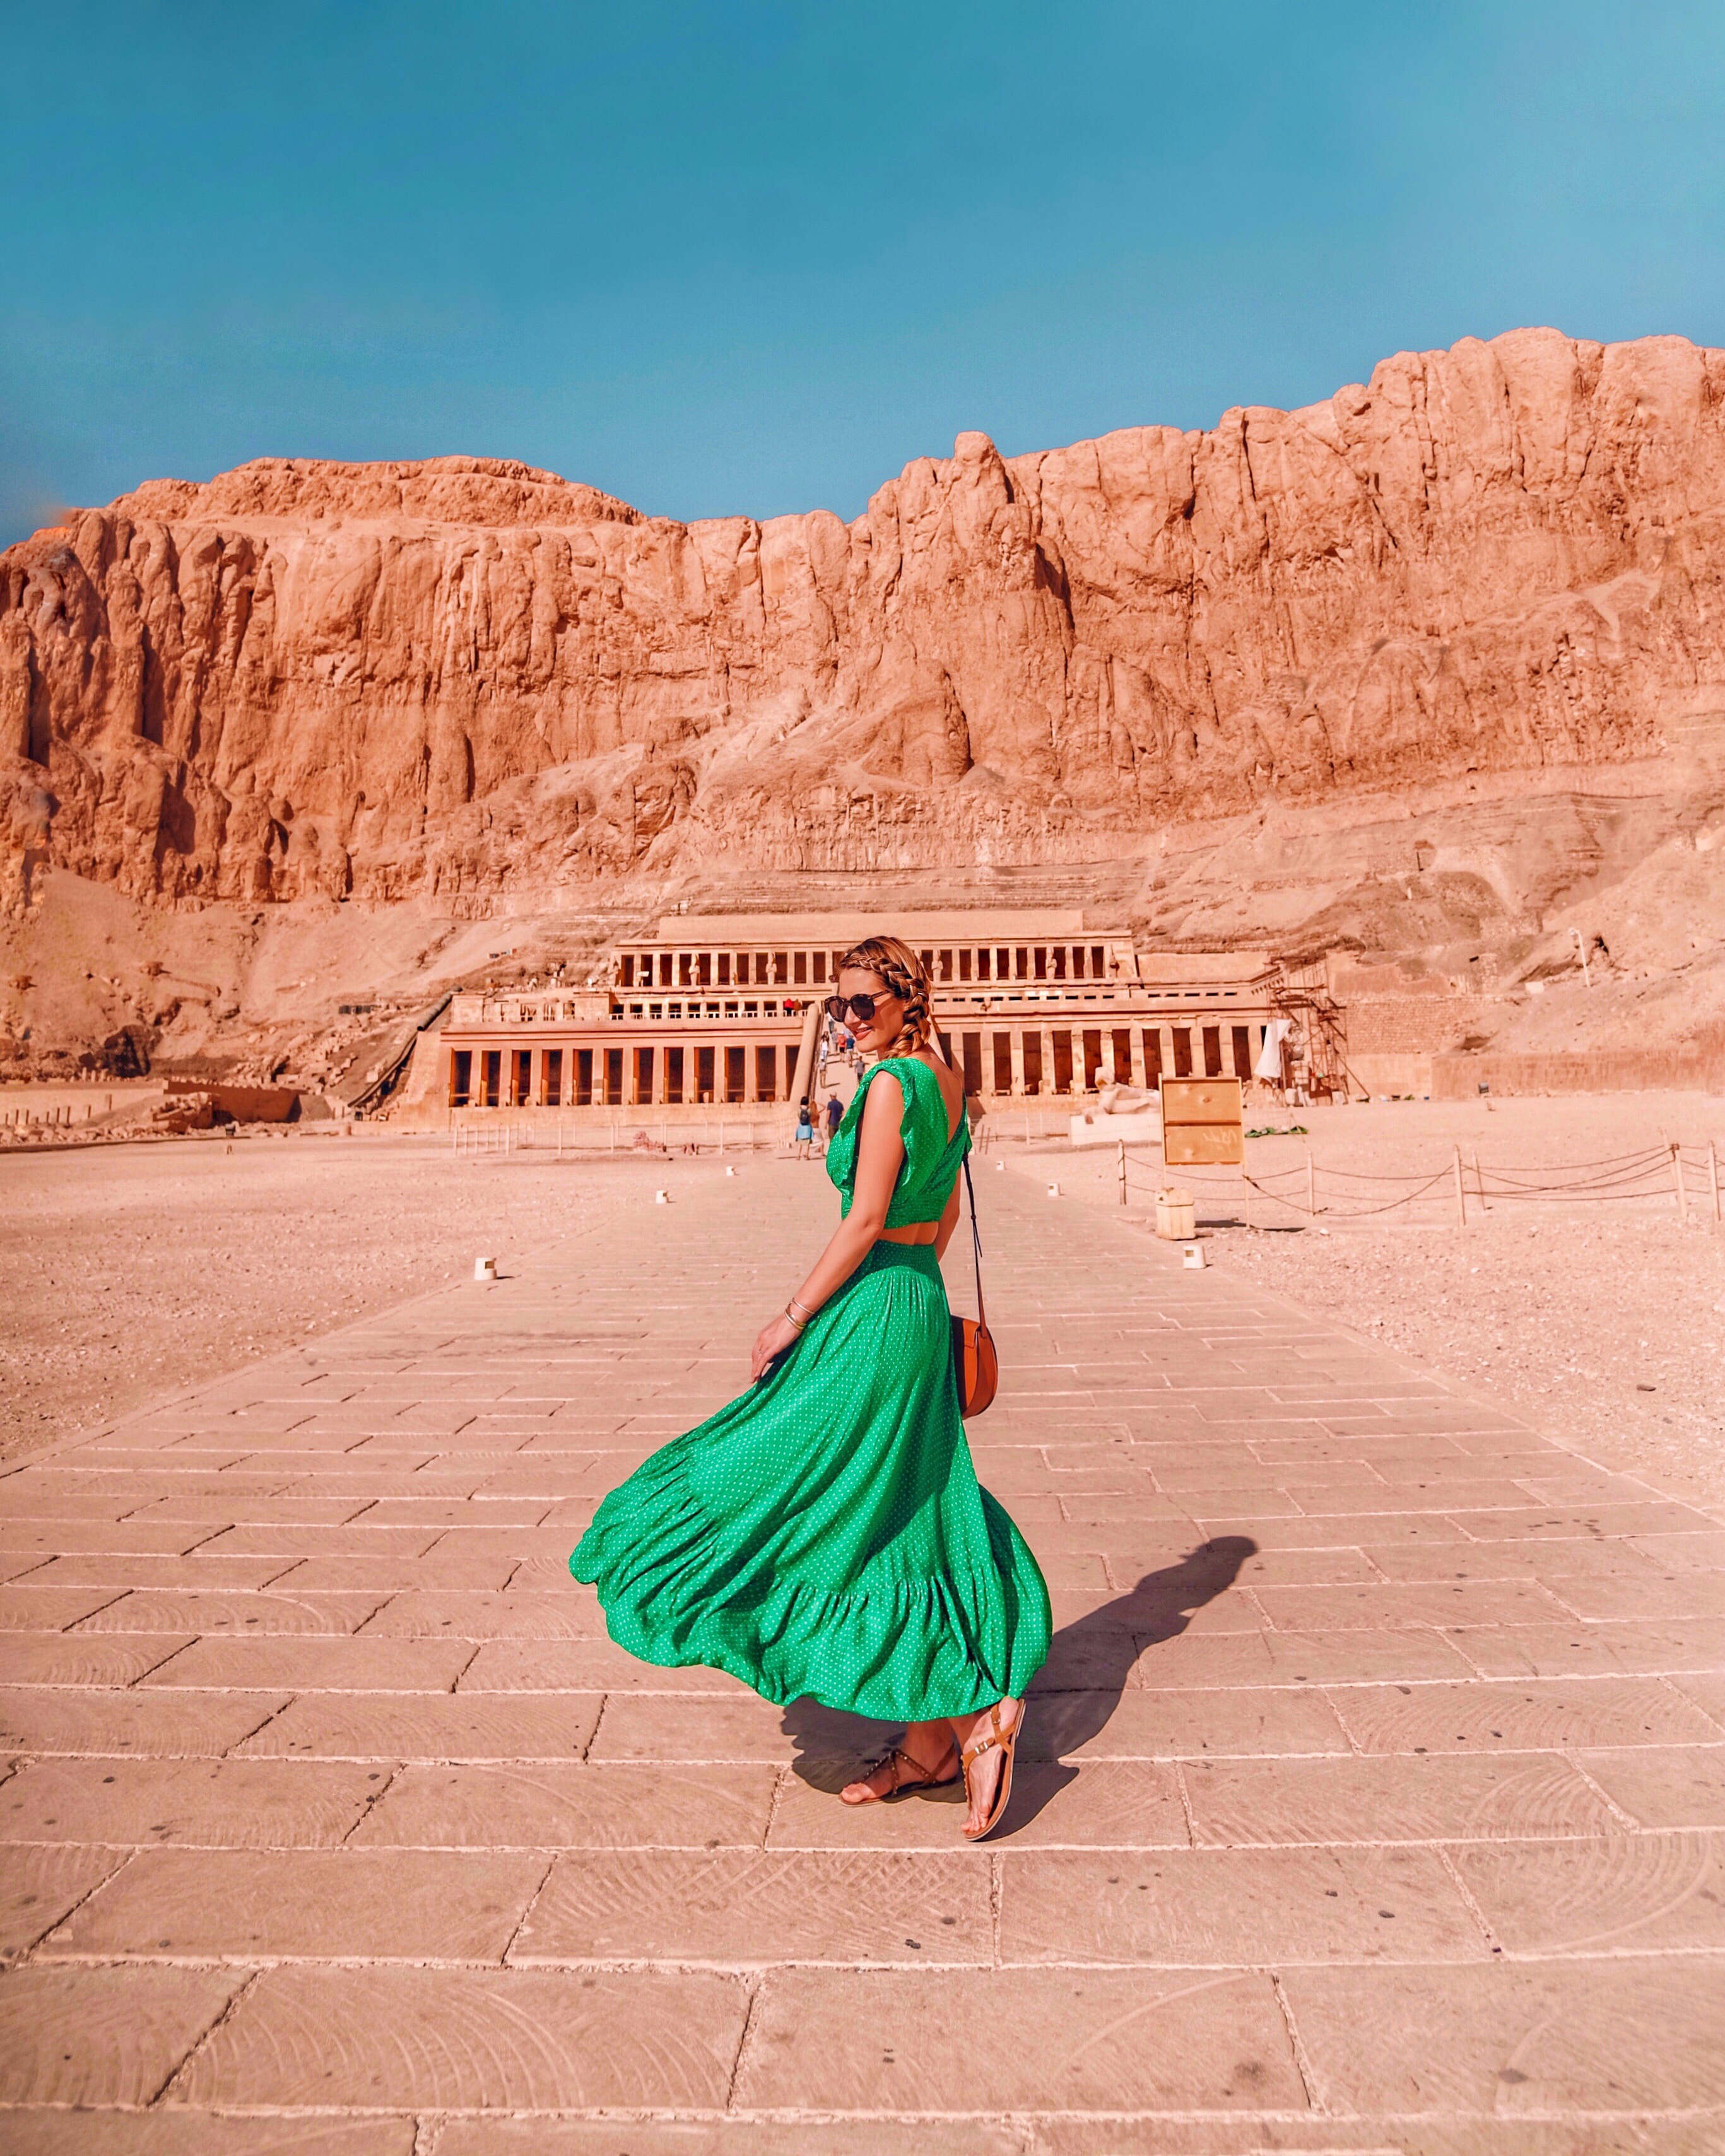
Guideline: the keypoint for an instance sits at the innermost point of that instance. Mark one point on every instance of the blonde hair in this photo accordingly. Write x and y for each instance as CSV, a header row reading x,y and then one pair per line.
x,y
908,978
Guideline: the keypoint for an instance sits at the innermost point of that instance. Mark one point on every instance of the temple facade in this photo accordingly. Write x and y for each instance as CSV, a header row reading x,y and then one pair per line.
x,y
727,1011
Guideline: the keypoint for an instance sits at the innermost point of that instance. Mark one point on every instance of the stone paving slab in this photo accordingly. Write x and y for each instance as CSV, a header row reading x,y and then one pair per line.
x,y
1108,2041
1372,1797
1630,2035
79,1658
42,2133
662,1806
472,2039
203,1804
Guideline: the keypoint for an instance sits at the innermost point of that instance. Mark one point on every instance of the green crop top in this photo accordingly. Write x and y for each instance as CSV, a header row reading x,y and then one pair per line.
x,y
930,1167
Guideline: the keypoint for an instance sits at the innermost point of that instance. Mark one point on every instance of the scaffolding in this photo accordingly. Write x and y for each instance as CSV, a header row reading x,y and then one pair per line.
x,y
1315,1048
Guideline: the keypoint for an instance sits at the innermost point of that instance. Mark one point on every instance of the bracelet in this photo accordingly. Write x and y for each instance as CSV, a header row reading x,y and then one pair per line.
x,y
797,1325
791,1309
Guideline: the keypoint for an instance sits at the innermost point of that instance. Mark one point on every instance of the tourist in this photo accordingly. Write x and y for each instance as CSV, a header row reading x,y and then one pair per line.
x,y
835,1115
805,1132
824,1537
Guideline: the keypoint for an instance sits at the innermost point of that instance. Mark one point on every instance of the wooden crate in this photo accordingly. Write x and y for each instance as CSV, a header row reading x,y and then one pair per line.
x,y
1203,1123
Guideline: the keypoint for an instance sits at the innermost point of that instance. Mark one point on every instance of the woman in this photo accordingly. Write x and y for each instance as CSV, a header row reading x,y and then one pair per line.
x,y
824,1536
805,1132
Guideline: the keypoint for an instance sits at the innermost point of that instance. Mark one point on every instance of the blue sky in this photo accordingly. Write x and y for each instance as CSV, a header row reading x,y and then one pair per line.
x,y
753,258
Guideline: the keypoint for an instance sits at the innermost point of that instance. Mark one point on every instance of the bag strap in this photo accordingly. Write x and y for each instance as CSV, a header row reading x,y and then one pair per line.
x,y
976,1237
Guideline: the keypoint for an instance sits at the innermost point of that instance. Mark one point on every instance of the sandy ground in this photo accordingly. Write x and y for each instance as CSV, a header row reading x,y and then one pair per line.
x,y
1603,1322
130,1273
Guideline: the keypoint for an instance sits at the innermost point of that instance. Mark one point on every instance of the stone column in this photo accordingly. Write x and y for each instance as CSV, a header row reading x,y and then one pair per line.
x,y
1139,1076
1017,1038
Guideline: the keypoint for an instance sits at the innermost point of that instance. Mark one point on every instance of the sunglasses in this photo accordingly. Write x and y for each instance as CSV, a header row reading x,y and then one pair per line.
x,y
861,1009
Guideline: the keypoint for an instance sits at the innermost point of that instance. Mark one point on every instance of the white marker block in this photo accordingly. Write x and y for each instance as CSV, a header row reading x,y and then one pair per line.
x,y
484,1269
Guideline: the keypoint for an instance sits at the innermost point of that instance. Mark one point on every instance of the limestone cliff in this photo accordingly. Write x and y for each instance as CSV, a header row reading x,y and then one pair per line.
x,y
470,680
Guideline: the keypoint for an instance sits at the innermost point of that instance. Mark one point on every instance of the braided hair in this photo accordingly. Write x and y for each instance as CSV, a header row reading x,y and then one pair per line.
x,y
908,977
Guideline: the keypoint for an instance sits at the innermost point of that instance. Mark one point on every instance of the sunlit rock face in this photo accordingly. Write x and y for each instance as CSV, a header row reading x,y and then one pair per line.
x,y
473,681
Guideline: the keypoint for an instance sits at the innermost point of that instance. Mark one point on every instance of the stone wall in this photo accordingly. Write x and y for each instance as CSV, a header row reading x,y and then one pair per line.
x,y
1605,1070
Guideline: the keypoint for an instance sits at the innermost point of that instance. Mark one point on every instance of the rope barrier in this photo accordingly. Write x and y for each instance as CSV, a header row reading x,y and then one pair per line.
x,y
1366,1212
1589,1196
1358,1175
1615,1159
1292,1202
1497,1186
1587,1175
1650,1172
1636,1163
1358,1212
1501,1183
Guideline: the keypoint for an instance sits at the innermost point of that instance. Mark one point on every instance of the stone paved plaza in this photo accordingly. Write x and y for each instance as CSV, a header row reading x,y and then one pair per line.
x,y
1375,1795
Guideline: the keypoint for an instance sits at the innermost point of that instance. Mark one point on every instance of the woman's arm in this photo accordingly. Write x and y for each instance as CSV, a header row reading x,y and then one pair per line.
x,y
879,1150
948,1222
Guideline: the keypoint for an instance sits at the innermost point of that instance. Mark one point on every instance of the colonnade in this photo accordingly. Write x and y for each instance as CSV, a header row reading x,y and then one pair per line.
x,y
628,1073
662,971
1016,1060
1024,1061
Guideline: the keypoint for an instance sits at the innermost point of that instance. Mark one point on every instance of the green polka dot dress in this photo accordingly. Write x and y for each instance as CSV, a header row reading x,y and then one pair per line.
x,y
824,1536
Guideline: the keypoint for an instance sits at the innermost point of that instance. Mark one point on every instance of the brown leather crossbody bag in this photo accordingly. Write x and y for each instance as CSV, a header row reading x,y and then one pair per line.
x,y
975,1365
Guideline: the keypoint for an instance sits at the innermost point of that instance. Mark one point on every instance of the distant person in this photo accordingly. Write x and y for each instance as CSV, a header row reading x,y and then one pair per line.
x,y
805,1132
824,1536
835,1115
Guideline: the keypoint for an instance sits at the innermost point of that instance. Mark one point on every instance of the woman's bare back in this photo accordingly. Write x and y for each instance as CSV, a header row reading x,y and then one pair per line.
x,y
951,1088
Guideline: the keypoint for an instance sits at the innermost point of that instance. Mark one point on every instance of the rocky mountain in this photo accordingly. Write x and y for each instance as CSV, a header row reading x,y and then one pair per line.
x,y
1430,677
474,682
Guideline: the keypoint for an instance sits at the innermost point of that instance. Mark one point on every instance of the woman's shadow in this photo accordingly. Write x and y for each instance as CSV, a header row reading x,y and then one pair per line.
x,y
1090,1663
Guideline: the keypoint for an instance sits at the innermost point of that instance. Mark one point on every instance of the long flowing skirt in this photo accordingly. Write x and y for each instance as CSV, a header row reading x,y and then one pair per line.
x,y
824,1536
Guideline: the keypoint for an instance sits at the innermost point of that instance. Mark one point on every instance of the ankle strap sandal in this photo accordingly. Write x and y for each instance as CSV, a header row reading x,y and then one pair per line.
x,y
910,1774
993,1737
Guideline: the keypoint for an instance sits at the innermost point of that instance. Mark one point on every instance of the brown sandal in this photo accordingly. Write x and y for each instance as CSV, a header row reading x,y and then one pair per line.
x,y
918,1776
992,1738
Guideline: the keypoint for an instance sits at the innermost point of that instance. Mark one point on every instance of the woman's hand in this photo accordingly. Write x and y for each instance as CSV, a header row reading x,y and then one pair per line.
x,y
777,1334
